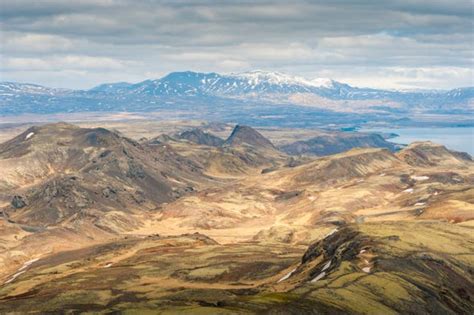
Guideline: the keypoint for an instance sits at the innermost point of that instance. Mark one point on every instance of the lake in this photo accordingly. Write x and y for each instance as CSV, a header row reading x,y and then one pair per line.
x,y
458,139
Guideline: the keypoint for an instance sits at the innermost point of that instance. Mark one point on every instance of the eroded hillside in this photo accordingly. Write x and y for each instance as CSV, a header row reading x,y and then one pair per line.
x,y
94,221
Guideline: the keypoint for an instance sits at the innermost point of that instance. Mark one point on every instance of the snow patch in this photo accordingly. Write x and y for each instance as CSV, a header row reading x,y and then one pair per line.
x,y
258,76
420,178
28,136
286,276
326,266
366,269
409,190
319,277
21,271
420,204
15,276
28,263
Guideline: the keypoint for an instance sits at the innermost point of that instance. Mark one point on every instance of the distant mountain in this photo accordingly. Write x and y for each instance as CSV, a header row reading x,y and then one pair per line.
x,y
212,84
111,87
200,137
12,89
336,142
260,84
232,96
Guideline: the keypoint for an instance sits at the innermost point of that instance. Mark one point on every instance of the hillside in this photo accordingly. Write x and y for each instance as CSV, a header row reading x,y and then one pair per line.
x,y
244,135
333,143
61,173
200,137
91,220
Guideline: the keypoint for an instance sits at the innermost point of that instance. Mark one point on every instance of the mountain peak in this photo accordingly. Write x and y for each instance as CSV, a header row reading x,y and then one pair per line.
x,y
247,135
198,136
278,78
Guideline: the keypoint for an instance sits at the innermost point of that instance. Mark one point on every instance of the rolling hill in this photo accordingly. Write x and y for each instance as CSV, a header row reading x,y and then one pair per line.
x,y
91,220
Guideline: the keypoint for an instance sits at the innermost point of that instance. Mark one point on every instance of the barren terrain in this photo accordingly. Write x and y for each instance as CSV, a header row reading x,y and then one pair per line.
x,y
139,217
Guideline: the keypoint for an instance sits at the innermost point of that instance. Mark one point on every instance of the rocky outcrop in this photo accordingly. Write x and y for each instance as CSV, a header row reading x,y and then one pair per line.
x,y
18,202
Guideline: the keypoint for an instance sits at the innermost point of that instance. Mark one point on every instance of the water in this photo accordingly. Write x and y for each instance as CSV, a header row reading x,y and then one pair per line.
x,y
458,139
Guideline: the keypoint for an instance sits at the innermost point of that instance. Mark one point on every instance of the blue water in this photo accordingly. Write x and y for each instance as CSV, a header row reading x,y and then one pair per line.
x,y
458,139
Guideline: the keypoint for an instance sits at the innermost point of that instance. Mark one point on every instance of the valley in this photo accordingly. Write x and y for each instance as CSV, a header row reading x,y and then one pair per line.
x,y
198,217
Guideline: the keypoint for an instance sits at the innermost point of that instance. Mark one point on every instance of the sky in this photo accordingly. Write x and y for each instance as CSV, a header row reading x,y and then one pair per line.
x,y
396,44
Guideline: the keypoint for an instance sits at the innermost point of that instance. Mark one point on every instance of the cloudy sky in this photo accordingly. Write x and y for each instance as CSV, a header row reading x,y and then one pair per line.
x,y
389,44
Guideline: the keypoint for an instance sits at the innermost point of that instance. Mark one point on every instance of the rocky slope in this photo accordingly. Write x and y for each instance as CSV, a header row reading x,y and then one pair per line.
x,y
244,135
57,173
200,137
429,154
369,268
93,221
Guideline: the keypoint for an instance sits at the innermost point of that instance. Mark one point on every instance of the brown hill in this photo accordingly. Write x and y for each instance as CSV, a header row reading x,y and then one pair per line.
x,y
245,135
345,166
61,172
427,154
200,137
332,143
387,233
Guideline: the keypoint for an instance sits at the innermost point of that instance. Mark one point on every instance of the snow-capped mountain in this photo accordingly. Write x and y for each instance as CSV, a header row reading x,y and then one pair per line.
x,y
237,84
256,87
12,88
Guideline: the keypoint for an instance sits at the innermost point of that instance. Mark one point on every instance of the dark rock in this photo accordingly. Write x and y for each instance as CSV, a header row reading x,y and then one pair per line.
x,y
18,202
288,195
247,135
108,192
269,170
135,170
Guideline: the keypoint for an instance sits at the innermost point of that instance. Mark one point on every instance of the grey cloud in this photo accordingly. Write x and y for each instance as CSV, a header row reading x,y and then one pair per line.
x,y
143,38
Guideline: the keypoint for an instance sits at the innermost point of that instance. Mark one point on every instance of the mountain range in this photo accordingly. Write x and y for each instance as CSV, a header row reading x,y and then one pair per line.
x,y
223,95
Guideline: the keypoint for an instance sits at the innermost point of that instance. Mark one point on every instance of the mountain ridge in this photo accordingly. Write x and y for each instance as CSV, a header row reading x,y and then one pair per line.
x,y
254,77
252,88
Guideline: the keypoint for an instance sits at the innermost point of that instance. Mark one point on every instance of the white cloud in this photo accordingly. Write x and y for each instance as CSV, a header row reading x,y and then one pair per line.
x,y
68,62
35,43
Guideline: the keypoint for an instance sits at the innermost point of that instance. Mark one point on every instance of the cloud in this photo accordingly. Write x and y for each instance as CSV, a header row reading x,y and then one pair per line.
x,y
133,39
58,63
